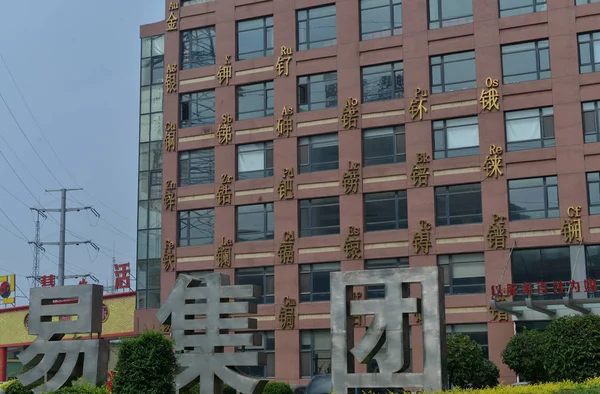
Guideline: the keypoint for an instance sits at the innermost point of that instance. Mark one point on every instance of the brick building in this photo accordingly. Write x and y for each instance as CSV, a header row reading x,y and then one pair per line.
x,y
455,132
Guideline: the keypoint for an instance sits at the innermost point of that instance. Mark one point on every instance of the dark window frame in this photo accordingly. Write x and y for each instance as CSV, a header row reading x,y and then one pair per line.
x,y
395,133
451,330
446,191
186,216
307,83
312,142
441,61
310,205
309,295
583,2
441,129
268,159
267,274
395,90
591,108
196,98
267,208
192,59
593,179
393,30
440,22
313,354
268,339
543,269
523,9
548,183
267,23
378,291
448,261
401,218
539,46
206,171
264,89
304,46
547,130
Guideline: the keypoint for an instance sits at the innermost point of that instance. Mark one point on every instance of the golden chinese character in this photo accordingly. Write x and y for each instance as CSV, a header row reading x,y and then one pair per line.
x,y
498,316
287,314
169,199
350,114
225,71
420,173
357,295
171,22
170,136
352,246
283,62
224,129
224,193
173,5
171,79
496,235
168,259
223,256
286,186
418,318
422,238
286,248
351,179
285,124
417,104
489,97
571,229
493,163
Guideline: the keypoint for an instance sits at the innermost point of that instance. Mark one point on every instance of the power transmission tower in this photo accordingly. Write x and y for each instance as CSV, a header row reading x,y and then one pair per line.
x,y
36,256
110,288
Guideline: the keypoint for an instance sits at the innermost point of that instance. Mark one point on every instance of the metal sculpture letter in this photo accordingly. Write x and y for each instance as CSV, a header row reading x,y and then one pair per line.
x,y
390,324
205,336
82,301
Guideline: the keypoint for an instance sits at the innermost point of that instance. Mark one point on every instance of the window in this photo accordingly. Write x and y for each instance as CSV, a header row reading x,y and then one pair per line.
x,y
198,47
529,129
452,72
458,204
385,145
528,61
520,7
255,160
192,2
589,52
443,13
386,211
314,281
197,167
262,277
315,353
316,27
593,184
196,227
378,291
197,108
317,91
380,18
255,101
592,262
477,332
591,125
254,222
153,70
540,265
382,82
255,38
318,153
455,137
148,283
319,216
580,2
267,346
463,273
533,198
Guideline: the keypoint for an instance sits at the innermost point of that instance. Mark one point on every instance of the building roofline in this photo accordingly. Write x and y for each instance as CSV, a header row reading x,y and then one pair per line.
x,y
152,29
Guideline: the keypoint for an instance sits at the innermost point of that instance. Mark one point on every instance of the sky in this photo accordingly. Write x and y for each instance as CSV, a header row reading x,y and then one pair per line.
x,y
76,66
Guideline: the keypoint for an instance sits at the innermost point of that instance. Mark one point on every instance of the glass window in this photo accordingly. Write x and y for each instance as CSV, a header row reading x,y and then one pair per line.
x,y
315,354
529,129
196,227
443,13
463,273
533,266
262,277
456,137
191,2
591,125
255,160
592,261
148,284
593,184
382,82
255,101
580,2
384,145
198,47
314,281
316,27
458,204
267,346
452,72
197,167
533,198
197,108
378,291
520,7
319,216
386,211
255,38
527,61
254,222
589,52
317,91
477,332
318,153
380,18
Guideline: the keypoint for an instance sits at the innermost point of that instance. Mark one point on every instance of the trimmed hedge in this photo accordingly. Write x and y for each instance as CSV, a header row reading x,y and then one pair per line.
x,y
567,387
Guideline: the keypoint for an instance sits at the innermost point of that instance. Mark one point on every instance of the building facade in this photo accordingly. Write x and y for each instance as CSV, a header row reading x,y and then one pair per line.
x,y
303,137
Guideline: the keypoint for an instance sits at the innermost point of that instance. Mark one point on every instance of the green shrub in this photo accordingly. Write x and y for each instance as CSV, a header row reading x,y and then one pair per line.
x,y
15,387
524,354
277,388
467,367
81,387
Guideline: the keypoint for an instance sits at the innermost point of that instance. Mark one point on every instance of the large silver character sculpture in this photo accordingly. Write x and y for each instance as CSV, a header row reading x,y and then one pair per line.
x,y
390,326
60,358
200,326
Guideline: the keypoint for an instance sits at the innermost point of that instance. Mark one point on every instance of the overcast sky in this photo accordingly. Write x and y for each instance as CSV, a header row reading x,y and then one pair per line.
x,y
76,64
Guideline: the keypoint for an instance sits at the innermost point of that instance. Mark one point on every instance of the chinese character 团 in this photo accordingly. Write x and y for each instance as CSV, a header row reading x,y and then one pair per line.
x,y
489,96
225,71
351,179
571,228
170,130
352,246
223,256
496,235
422,238
224,130
287,314
122,276
48,280
285,124
417,104
169,199
493,163
224,193
286,185
50,332
350,114
286,248
204,339
283,62
168,259
171,79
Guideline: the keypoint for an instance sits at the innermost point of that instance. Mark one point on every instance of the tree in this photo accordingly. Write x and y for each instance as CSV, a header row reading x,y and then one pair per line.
x,y
146,364
571,348
277,388
467,367
524,354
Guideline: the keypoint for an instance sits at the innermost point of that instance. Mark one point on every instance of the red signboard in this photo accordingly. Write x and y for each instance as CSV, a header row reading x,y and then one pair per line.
x,y
48,280
542,288
122,276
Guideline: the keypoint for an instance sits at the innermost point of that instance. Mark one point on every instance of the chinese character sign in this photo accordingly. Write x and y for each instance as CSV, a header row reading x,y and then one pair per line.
x,y
490,96
122,276
206,357
49,343
7,289
48,280
571,228
390,326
